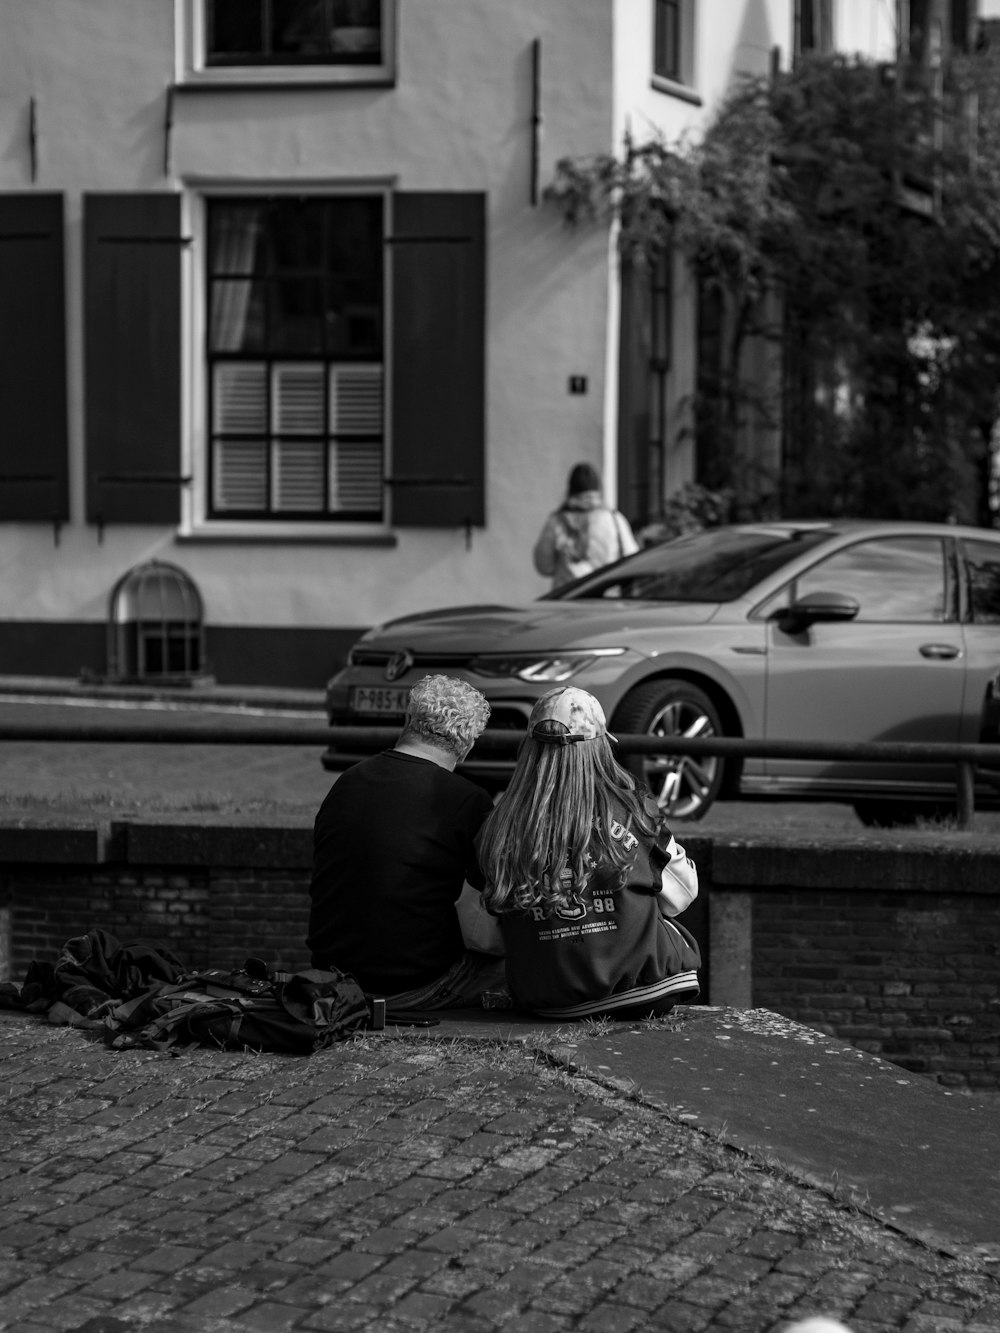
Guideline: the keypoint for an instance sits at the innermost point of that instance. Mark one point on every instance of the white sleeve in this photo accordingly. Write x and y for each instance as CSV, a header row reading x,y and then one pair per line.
x,y
626,536
679,881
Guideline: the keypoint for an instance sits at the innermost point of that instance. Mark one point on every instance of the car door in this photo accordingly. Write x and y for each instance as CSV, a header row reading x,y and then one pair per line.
x,y
893,673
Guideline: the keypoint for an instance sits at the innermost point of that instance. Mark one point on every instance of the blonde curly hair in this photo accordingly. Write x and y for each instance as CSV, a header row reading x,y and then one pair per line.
x,y
445,712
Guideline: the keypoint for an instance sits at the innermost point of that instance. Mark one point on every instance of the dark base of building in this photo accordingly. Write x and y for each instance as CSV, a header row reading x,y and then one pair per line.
x,y
293,658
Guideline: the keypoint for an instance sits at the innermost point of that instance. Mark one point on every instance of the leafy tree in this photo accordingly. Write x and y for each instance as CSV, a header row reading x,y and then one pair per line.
x,y
850,192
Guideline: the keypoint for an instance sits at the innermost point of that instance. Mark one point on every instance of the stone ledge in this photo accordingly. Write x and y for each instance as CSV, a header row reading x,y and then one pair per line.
x,y
181,844
55,845
725,865
830,864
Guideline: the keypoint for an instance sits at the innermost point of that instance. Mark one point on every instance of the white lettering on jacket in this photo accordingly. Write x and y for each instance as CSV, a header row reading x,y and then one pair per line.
x,y
621,834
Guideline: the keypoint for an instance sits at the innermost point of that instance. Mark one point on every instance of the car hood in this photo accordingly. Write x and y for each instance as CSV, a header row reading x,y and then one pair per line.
x,y
536,625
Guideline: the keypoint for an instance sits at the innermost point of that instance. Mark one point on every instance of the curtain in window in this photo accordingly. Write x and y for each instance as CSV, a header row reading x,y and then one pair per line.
x,y
235,233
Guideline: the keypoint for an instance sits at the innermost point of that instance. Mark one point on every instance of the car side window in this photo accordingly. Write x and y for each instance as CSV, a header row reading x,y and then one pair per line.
x,y
982,572
891,578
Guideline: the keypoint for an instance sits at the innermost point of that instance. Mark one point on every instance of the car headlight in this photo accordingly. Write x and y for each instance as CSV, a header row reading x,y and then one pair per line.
x,y
538,667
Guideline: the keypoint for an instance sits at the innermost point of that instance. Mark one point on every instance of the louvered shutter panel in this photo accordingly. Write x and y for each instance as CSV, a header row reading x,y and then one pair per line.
x,y
34,464
298,465
438,250
239,466
132,356
356,452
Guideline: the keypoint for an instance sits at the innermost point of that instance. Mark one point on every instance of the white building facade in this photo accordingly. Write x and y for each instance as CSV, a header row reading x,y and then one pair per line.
x,y
285,315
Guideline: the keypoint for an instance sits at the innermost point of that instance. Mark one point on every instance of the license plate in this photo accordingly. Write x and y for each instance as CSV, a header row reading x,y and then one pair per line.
x,y
379,699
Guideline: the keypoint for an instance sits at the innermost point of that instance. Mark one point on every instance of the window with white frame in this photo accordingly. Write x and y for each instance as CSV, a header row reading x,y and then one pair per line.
x,y
673,41
283,32
289,41
295,357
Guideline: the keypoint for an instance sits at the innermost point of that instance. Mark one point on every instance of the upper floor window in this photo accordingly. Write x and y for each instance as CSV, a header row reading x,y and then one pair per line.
x,y
814,27
289,41
673,43
284,32
667,40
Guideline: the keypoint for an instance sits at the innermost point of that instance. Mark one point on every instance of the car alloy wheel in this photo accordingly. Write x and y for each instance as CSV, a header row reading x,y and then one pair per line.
x,y
685,786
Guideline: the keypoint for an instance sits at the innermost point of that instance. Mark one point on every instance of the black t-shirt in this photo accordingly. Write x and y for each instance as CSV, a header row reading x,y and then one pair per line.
x,y
392,845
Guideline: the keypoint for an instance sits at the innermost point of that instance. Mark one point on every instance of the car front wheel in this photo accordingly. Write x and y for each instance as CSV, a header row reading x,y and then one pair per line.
x,y
684,786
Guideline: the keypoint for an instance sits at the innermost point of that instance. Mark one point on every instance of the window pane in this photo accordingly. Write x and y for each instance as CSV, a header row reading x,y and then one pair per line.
x,y
666,40
353,320
301,27
356,33
235,236
238,313
297,234
346,31
298,400
898,579
239,476
239,398
356,477
356,400
298,477
296,316
293,32
983,565
717,565
234,28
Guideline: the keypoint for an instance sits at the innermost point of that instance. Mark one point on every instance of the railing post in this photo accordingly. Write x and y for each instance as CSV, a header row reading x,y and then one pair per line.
x,y
966,791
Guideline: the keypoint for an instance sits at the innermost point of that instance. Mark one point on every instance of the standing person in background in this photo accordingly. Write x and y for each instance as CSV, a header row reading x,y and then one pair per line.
x,y
583,533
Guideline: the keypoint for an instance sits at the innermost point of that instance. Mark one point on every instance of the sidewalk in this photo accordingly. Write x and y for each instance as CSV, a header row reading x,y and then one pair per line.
x,y
435,1180
195,695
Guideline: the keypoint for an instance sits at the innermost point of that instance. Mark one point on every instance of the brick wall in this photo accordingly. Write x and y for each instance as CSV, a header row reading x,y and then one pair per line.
x,y
215,896
212,918
893,973
896,951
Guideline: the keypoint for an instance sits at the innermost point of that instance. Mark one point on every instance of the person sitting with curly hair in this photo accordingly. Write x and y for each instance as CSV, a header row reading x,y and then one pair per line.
x,y
393,844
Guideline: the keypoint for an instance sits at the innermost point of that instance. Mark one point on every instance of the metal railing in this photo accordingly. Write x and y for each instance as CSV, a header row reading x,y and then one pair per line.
x,y
965,758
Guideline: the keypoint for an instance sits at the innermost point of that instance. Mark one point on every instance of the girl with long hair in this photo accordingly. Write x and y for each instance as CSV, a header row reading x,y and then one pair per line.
x,y
583,874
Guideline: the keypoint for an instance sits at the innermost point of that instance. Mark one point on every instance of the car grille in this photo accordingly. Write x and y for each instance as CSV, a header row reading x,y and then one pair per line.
x,y
507,719
379,657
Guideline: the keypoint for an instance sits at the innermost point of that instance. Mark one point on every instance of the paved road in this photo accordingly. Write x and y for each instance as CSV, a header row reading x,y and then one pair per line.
x,y
122,777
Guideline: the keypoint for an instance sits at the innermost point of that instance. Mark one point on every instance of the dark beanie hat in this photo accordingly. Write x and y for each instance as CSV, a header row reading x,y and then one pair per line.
x,y
584,477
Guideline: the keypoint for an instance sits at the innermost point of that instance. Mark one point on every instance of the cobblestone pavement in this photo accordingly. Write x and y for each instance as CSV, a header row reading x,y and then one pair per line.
x,y
407,1184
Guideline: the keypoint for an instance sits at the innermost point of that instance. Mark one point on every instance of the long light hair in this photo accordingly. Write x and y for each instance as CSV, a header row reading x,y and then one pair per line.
x,y
553,823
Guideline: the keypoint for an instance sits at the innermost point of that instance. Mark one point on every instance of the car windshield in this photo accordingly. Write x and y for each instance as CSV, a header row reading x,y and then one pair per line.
x,y
717,565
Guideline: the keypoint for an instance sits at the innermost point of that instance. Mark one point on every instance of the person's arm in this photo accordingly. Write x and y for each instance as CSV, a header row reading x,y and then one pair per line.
x,y
678,880
544,554
626,537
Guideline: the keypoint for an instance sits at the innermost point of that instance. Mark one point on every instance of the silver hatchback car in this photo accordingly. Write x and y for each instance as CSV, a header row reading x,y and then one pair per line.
x,y
808,631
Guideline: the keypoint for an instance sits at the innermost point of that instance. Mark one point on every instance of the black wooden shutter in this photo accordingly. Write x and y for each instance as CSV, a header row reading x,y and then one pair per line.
x,y
438,248
34,465
132,357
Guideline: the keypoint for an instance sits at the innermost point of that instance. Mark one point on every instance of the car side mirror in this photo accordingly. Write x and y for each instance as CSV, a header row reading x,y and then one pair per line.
x,y
816,608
